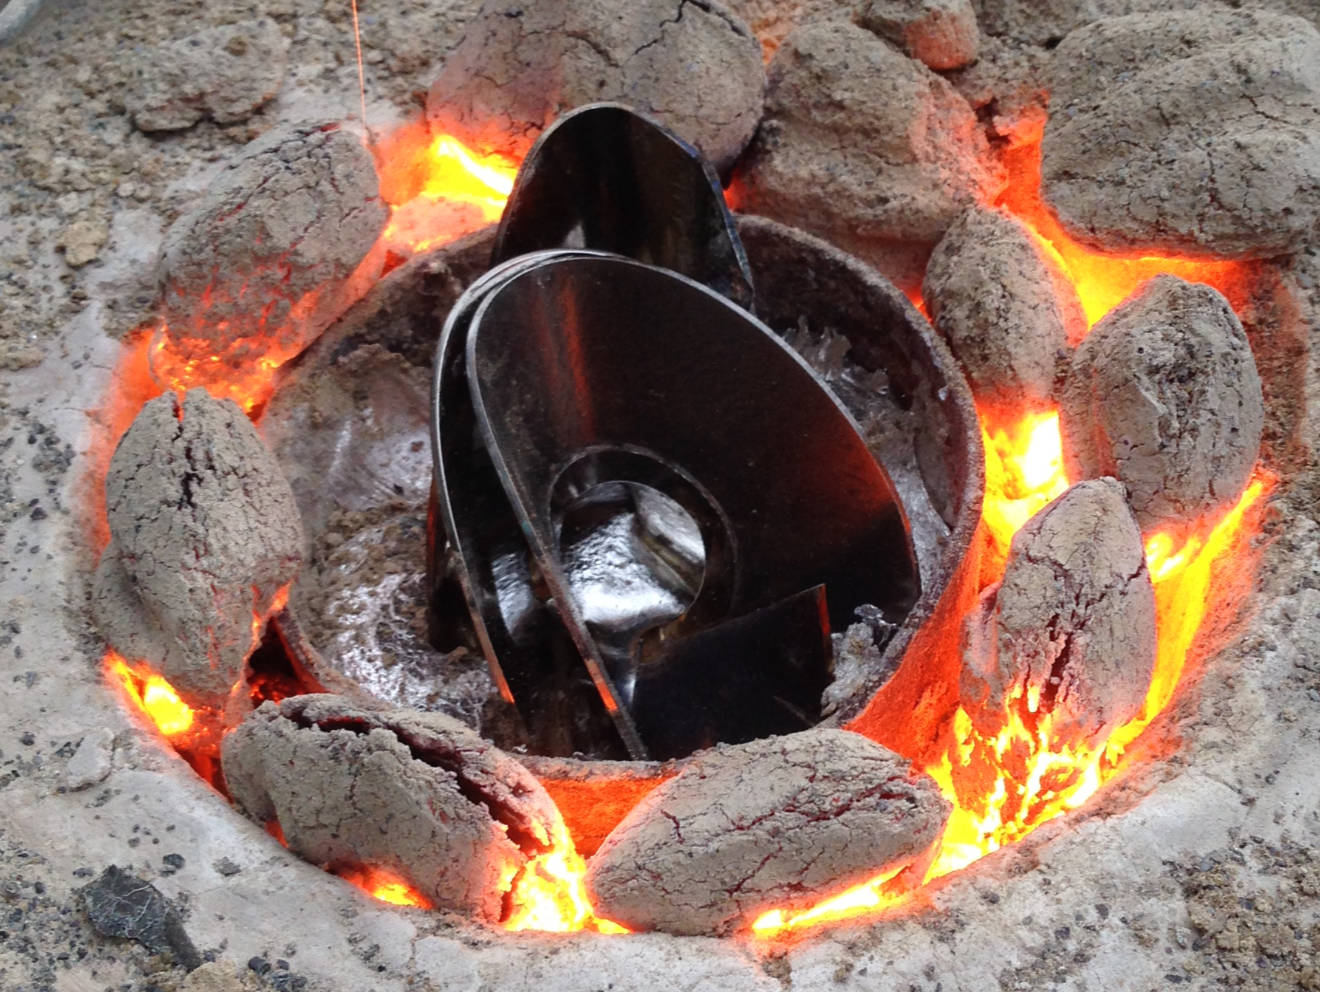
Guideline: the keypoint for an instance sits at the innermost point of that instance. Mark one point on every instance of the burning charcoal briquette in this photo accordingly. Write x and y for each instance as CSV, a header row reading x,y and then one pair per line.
x,y
1070,631
775,823
520,65
415,793
865,147
1191,131
941,33
271,255
1006,309
1164,395
204,532
225,73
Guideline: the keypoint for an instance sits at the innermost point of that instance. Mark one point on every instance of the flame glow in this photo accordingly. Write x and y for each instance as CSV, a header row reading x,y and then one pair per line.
x,y
549,895
1005,785
154,697
384,886
441,189
1023,472
1104,279
868,897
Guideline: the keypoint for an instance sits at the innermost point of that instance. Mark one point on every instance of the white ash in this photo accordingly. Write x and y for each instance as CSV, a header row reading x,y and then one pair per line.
x,y
693,66
1187,131
774,823
1139,886
888,430
1006,308
1047,22
204,532
866,148
1164,395
362,600
272,254
417,794
1070,631
859,661
225,73
349,428
940,33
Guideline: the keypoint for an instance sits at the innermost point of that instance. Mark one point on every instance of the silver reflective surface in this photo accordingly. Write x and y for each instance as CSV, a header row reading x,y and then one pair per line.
x,y
634,560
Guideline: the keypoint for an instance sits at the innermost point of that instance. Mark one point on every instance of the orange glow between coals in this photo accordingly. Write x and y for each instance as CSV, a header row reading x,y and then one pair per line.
x,y
1104,279
1004,786
549,895
1023,472
154,697
440,189
384,886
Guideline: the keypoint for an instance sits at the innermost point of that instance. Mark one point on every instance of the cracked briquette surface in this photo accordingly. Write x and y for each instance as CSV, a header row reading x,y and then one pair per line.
x,y
1072,624
1164,395
866,148
418,794
691,64
767,824
204,531
1186,131
1006,309
263,264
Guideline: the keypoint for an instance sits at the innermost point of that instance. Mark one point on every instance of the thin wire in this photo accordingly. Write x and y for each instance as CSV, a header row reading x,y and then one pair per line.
x,y
362,79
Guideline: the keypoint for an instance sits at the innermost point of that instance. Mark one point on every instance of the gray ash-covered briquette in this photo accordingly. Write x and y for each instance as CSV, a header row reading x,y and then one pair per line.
x,y
1070,631
695,67
771,824
203,534
417,794
1164,395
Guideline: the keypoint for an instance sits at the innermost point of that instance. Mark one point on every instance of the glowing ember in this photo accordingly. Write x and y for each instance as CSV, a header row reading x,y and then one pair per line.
x,y
153,696
866,898
1026,776
549,895
1023,472
384,886
440,189
1103,280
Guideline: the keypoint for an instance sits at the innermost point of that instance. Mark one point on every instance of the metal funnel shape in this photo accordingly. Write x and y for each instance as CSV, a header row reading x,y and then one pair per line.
x,y
633,470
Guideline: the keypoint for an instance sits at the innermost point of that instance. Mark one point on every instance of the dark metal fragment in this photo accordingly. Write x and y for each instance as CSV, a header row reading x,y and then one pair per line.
x,y
123,905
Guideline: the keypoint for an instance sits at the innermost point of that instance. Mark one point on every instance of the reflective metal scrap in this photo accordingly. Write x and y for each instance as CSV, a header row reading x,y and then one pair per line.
x,y
646,505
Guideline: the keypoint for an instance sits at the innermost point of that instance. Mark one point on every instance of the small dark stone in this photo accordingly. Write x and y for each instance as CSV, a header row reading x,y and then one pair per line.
x,y
122,905
38,513
259,965
173,862
28,739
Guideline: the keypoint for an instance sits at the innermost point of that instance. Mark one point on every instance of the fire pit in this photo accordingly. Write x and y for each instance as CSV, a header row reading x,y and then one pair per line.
x,y
1102,686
